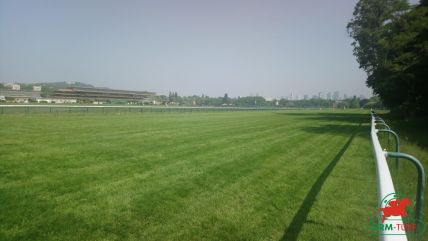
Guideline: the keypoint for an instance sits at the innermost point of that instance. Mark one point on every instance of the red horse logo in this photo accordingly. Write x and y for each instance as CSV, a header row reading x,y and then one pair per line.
x,y
395,208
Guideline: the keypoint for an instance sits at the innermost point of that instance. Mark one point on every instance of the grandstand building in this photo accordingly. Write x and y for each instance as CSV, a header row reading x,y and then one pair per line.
x,y
102,94
18,96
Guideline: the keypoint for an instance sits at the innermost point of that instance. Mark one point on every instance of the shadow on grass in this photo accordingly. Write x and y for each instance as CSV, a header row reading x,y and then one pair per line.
x,y
299,219
337,130
331,116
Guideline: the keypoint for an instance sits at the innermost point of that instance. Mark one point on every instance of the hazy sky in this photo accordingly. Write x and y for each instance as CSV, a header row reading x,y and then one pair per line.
x,y
242,47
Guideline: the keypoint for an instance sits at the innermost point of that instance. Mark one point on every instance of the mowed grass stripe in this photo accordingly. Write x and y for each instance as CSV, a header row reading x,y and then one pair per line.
x,y
110,181
174,152
142,146
173,187
44,180
236,206
166,136
152,122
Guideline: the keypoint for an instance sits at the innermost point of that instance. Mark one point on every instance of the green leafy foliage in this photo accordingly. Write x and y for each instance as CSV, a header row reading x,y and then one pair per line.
x,y
391,45
355,103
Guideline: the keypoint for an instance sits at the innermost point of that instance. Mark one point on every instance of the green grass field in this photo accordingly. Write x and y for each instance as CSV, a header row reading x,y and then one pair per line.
x,y
290,175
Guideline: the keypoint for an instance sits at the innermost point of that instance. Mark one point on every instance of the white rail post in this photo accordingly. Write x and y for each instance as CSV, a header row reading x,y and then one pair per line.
x,y
385,187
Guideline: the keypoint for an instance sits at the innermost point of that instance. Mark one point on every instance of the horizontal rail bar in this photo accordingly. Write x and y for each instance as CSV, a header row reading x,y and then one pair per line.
x,y
136,106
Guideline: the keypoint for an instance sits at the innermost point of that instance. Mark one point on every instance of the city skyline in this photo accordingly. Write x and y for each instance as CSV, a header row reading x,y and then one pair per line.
x,y
331,95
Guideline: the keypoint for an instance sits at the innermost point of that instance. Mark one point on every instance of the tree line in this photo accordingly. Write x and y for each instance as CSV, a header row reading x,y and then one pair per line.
x,y
391,46
173,99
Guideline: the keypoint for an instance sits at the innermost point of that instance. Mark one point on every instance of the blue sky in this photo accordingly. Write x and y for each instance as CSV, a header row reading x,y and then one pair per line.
x,y
242,47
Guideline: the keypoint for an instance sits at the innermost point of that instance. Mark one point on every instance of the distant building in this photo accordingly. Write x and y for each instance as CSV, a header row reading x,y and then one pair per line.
x,y
8,85
19,96
16,87
12,86
37,88
21,100
101,94
336,95
56,101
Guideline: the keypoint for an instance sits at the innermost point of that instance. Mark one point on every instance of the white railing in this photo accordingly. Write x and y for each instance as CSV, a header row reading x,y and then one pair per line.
x,y
385,187
143,106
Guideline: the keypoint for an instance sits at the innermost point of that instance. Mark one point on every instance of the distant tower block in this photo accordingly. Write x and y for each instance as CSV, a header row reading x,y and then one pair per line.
x,y
16,87
37,88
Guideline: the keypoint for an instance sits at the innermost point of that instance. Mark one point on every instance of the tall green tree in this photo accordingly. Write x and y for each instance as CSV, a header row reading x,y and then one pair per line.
x,y
367,29
226,99
354,103
408,60
391,45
